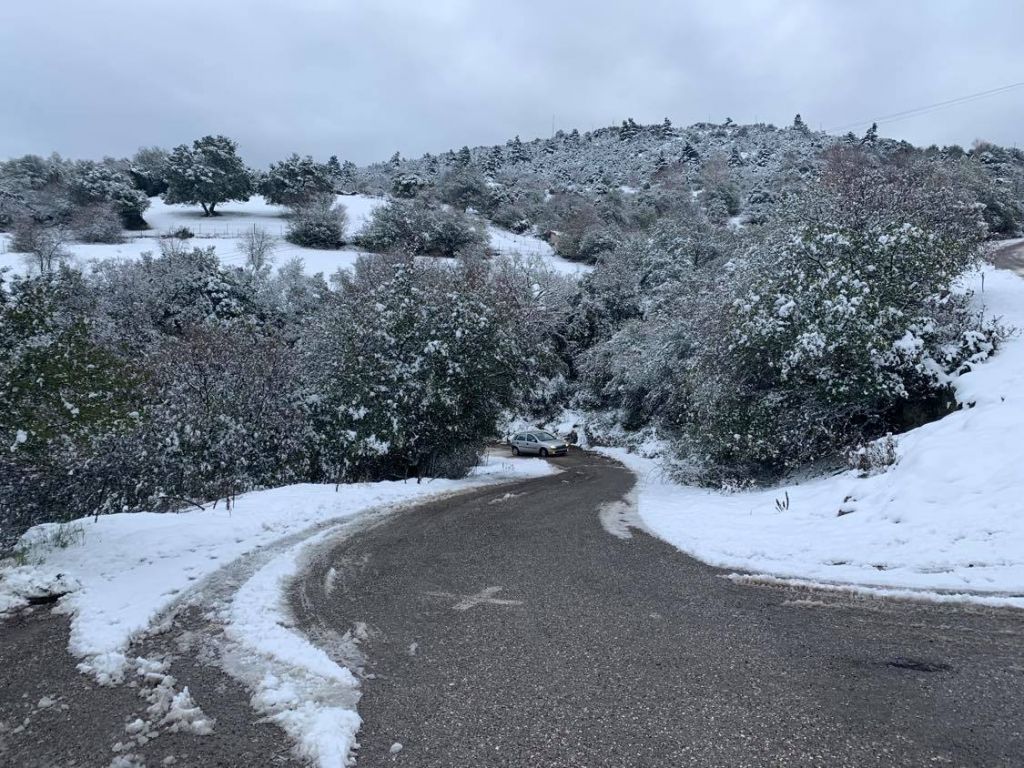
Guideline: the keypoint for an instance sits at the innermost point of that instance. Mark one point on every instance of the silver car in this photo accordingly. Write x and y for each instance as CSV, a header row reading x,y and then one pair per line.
x,y
537,442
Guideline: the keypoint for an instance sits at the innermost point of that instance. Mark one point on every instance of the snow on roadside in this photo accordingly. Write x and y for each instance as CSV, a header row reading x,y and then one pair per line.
x,y
129,568
947,519
295,684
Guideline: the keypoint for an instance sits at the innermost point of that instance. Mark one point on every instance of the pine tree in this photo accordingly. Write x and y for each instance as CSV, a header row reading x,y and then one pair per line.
x,y
629,129
516,151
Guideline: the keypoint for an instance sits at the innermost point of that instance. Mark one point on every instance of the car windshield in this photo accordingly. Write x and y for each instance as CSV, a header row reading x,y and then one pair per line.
x,y
544,436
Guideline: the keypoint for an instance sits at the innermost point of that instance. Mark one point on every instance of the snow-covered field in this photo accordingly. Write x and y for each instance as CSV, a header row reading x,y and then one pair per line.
x,y
509,243
123,573
946,522
223,232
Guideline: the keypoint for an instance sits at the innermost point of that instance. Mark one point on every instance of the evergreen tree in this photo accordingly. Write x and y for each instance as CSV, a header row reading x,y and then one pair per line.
x,y
209,172
516,151
296,180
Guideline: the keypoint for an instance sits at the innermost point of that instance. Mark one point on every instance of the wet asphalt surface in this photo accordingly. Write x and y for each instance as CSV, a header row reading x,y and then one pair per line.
x,y
1009,257
52,716
599,651
507,627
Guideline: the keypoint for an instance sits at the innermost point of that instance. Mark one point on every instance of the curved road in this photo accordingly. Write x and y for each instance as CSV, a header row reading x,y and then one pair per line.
x,y
507,627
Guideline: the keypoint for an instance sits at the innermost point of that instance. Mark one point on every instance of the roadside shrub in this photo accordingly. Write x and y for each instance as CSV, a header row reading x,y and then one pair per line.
x,y
837,332
874,457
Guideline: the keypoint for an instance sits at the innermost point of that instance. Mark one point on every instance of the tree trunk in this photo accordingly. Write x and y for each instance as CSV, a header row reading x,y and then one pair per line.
x,y
206,211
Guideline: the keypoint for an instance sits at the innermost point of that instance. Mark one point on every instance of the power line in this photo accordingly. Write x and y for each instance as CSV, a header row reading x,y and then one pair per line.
x,y
939,105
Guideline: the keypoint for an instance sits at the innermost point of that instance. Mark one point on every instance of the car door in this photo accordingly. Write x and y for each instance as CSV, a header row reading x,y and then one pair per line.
x,y
532,444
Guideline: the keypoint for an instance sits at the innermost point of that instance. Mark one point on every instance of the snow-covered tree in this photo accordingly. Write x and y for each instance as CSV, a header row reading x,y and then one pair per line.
x,y
208,172
416,366
92,184
148,170
415,228
296,180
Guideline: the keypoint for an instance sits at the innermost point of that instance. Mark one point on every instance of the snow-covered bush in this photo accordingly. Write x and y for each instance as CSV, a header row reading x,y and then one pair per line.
x,y
44,242
258,246
140,302
873,457
58,388
841,328
97,223
318,223
414,364
420,230
91,184
464,187
407,185
640,315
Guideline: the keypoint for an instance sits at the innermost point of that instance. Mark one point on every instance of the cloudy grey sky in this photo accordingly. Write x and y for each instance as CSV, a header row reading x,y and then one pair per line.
x,y
363,79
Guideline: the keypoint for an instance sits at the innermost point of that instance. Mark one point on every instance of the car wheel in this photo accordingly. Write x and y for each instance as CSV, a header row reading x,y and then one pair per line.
x,y
515,451
543,453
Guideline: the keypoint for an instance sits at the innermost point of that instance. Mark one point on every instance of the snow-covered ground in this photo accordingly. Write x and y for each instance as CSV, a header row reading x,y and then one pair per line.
x,y
509,243
124,573
234,219
946,522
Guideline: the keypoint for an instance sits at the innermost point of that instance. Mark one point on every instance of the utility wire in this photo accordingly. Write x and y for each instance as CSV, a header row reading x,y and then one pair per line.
x,y
890,118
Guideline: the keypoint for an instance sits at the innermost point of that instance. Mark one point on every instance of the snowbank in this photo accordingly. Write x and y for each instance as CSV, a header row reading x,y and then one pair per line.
x,y
129,568
947,519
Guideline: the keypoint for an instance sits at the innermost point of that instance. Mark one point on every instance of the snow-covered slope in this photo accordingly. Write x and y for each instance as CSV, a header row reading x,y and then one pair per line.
x,y
948,518
511,244
223,232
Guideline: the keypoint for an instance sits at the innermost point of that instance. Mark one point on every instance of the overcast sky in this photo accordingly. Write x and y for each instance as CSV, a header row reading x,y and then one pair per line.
x,y
363,79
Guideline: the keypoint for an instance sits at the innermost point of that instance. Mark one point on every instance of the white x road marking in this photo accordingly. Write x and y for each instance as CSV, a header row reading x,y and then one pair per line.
x,y
486,595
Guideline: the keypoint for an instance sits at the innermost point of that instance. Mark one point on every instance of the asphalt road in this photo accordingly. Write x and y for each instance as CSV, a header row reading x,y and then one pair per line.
x,y
1009,257
513,630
